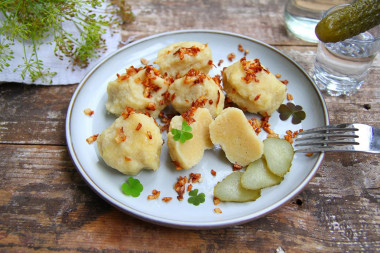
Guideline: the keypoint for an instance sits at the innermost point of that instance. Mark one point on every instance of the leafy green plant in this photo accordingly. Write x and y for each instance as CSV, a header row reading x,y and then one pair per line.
x,y
196,198
183,134
293,110
132,187
6,53
36,22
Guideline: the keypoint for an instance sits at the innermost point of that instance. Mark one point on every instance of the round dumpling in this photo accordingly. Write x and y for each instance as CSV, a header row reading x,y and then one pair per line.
x,y
252,87
196,89
140,88
132,143
178,58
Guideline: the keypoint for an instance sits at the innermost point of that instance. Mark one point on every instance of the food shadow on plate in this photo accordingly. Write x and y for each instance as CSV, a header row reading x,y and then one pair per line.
x,y
105,167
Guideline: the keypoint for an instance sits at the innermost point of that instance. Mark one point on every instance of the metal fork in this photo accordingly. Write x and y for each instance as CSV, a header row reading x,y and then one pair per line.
x,y
342,138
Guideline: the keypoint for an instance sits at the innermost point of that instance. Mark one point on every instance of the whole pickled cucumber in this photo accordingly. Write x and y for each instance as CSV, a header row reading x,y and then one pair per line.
x,y
349,21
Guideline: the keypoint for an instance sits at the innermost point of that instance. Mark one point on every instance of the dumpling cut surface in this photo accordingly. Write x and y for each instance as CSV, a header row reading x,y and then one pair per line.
x,y
236,137
132,143
140,88
199,90
252,87
189,153
178,58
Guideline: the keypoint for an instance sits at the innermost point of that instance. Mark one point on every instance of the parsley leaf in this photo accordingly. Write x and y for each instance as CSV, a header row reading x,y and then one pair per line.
x,y
183,134
176,134
186,127
196,198
293,110
132,187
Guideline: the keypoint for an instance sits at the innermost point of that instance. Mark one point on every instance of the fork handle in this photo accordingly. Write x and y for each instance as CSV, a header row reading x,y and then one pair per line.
x,y
375,143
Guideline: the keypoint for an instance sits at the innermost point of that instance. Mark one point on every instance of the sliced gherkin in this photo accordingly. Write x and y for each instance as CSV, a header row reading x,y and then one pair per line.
x,y
349,21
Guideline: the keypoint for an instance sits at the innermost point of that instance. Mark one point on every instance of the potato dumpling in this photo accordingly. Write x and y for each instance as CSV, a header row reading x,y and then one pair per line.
x,y
178,58
140,88
189,153
252,87
133,142
199,90
230,189
236,137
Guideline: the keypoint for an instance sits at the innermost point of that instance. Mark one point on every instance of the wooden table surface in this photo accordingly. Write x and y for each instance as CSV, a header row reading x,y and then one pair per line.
x,y
45,206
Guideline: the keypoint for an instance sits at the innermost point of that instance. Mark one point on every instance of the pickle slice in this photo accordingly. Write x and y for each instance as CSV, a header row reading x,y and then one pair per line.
x,y
349,21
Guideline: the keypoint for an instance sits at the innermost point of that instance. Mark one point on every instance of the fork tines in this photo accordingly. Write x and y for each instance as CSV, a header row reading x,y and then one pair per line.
x,y
326,138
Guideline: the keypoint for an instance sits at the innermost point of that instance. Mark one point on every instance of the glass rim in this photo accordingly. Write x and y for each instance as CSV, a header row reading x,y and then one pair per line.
x,y
339,6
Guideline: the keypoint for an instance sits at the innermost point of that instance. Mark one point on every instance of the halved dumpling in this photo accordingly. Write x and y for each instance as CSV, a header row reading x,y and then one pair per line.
x,y
189,153
236,137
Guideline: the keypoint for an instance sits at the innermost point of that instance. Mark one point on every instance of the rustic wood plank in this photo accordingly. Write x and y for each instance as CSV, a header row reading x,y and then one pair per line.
x,y
33,114
45,205
263,20
362,107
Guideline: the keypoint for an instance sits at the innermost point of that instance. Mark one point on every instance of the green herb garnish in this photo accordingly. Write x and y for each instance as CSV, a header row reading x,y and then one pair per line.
x,y
184,134
132,187
37,22
196,198
291,109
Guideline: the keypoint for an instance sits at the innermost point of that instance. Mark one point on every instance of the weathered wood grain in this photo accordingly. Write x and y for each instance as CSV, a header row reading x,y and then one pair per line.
x,y
33,114
262,20
45,205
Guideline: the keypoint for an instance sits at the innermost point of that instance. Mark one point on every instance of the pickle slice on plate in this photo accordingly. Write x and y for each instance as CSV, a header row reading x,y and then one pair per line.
x,y
230,189
257,176
278,154
349,21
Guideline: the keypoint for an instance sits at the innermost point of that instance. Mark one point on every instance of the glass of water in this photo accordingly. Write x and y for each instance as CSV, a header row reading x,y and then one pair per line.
x,y
341,68
301,16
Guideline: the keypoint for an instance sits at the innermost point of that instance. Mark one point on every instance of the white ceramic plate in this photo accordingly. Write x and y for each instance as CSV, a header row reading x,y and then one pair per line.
x,y
91,93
